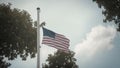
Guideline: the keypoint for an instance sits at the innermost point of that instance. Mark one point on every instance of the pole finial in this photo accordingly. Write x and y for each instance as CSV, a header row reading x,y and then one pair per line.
x,y
38,8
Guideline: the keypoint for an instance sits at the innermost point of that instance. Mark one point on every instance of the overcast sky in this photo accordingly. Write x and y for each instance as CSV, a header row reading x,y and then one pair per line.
x,y
97,45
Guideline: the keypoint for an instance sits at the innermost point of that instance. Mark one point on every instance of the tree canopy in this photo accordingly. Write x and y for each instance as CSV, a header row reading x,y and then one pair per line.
x,y
111,10
17,36
61,60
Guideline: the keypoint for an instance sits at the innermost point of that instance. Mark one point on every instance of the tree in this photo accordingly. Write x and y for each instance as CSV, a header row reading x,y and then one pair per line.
x,y
111,10
17,36
61,60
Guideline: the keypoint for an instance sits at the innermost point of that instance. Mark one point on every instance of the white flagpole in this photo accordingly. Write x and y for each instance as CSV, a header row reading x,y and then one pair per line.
x,y
38,38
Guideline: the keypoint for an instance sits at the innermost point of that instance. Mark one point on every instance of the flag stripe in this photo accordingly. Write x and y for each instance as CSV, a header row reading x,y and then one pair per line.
x,y
55,40
55,46
62,38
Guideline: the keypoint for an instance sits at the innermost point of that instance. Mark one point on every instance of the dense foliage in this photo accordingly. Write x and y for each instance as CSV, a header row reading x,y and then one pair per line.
x,y
111,10
17,36
61,60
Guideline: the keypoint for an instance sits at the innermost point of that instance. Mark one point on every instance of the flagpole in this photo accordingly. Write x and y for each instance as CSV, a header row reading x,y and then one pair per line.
x,y
38,38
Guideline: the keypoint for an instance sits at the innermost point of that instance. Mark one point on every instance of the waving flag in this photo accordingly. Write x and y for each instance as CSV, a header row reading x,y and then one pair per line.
x,y
55,40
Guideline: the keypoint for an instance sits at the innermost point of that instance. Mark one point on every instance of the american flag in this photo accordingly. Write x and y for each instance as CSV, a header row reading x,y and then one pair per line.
x,y
55,40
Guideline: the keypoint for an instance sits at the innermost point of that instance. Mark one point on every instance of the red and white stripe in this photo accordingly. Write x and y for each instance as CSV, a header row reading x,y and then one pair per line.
x,y
59,42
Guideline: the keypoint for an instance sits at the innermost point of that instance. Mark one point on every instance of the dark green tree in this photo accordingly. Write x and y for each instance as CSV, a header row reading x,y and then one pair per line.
x,y
17,36
111,10
61,60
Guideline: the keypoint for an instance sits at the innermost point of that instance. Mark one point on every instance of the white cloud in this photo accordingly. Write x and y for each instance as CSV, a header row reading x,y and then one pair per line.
x,y
99,39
